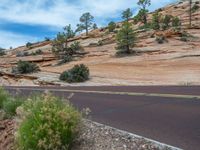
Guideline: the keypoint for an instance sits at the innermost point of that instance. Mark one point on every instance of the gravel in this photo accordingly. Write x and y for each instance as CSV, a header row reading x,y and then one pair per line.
x,y
95,136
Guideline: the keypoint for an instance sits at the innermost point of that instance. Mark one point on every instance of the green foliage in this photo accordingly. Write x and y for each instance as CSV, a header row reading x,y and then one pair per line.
x,y
141,16
69,33
143,10
47,123
127,14
100,43
47,39
2,52
10,106
28,44
195,8
24,67
111,26
176,23
60,43
95,26
65,59
125,39
85,23
4,96
166,22
75,47
79,73
146,26
37,52
156,21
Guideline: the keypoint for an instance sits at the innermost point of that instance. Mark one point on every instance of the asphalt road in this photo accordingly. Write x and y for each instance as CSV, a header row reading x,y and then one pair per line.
x,y
171,119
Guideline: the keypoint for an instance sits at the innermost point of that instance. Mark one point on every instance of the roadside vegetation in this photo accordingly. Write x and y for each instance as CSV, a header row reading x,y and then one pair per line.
x,y
79,73
44,121
2,52
25,67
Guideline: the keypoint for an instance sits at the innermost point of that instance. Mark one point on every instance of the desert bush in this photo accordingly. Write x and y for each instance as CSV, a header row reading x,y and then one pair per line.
x,y
79,73
75,47
160,39
100,43
65,59
47,123
24,67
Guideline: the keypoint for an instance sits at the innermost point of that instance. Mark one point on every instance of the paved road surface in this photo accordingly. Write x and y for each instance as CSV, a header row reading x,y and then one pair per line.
x,y
171,118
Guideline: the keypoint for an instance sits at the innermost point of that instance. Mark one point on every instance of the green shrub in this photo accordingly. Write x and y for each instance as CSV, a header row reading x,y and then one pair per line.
x,y
24,67
195,8
4,96
11,105
65,59
100,43
146,26
79,73
111,26
47,124
2,52
28,44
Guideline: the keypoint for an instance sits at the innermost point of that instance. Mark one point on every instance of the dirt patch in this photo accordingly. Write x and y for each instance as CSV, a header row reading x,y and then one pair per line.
x,y
6,134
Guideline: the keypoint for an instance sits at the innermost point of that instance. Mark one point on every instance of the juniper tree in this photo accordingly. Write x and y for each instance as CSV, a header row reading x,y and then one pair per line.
x,y
176,23
86,23
127,14
166,22
143,10
125,39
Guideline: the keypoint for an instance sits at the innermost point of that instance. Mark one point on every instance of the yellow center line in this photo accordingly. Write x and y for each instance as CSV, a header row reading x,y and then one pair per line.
x,y
119,93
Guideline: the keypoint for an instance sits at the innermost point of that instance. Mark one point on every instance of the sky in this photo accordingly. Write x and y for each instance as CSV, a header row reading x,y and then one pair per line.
x,y
23,21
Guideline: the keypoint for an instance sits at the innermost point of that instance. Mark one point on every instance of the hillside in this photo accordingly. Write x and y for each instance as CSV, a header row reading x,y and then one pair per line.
x,y
174,62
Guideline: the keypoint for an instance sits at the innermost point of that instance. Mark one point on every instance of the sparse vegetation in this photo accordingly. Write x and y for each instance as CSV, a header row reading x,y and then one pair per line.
x,y
37,52
166,20
79,73
111,26
156,21
24,67
2,52
176,23
142,15
46,122
4,96
195,8
28,45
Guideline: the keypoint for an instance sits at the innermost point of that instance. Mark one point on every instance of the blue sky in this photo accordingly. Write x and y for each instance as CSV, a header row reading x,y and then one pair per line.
x,y
24,21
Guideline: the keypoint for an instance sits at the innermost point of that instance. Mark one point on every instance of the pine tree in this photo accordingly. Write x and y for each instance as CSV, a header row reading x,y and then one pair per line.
x,y
69,33
127,14
166,22
143,11
125,39
85,23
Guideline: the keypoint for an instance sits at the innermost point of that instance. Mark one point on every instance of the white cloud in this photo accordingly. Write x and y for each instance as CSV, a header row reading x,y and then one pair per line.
x,y
62,12
8,39
55,14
